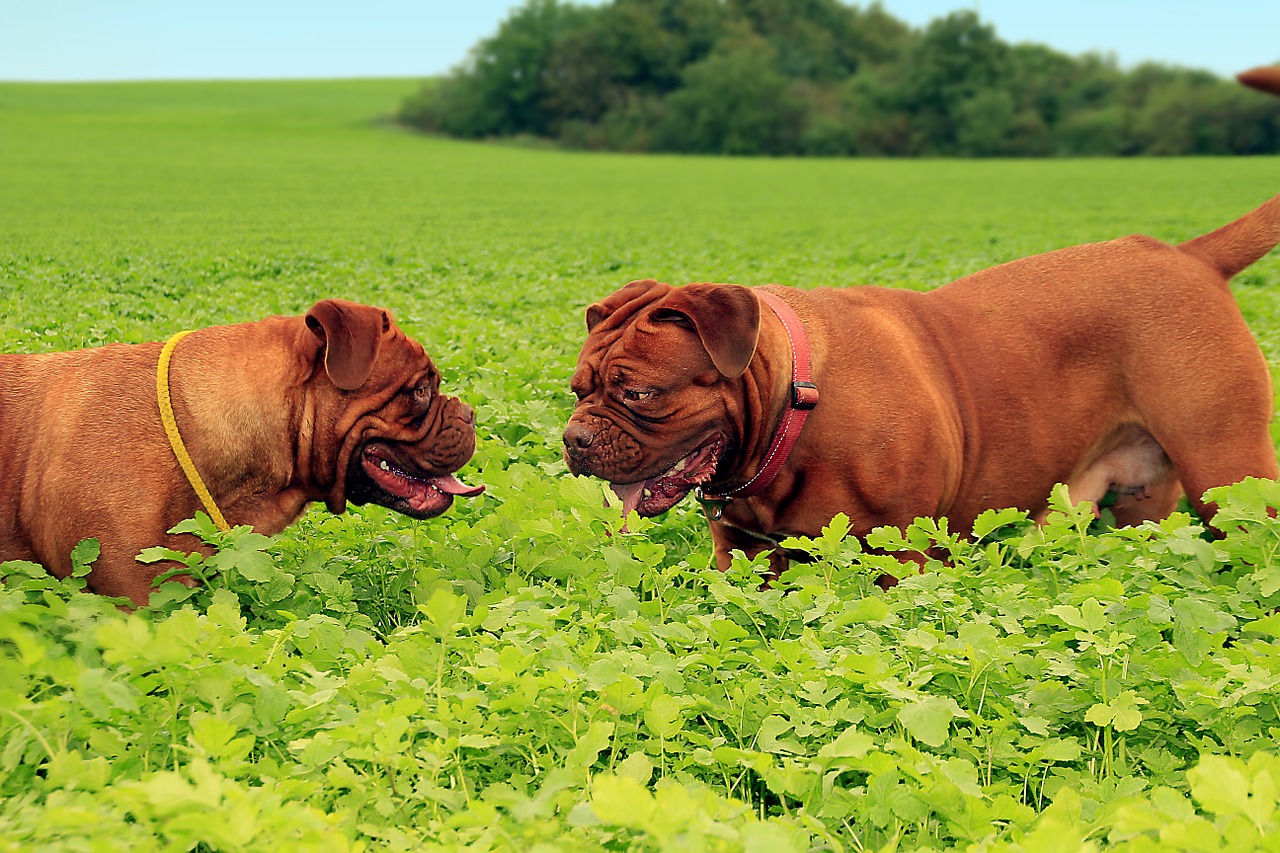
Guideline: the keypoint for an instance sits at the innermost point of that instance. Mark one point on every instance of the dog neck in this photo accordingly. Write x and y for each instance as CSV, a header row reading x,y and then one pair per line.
x,y
791,396
170,424
237,425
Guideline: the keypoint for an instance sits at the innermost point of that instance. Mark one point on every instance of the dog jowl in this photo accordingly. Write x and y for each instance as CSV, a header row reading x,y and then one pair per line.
x,y
335,406
1122,367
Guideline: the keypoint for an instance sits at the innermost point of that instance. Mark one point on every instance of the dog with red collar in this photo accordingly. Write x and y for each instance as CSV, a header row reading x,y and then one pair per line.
x,y
1122,367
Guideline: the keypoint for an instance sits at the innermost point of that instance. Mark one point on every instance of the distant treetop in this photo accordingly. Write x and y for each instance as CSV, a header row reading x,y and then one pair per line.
x,y
820,77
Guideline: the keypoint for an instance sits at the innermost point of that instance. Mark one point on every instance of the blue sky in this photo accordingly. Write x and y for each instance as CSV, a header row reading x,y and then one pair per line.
x,y
180,39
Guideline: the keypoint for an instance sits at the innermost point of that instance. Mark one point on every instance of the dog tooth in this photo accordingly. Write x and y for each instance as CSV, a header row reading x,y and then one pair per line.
x,y
679,466
383,465
648,493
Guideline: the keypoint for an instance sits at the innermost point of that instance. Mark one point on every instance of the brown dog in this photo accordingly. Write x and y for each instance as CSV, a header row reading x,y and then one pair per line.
x,y
338,405
1120,367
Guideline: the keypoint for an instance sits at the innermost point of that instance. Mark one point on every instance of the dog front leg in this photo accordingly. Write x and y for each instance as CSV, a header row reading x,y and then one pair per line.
x,y
727,538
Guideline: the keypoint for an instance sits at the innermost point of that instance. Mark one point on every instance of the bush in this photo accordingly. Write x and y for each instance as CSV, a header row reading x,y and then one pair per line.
x,y
733,102
757,78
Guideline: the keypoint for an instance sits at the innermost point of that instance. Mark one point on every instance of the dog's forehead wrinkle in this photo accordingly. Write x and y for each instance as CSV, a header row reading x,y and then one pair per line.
x,y
652,327
621,314
644,350
597,351
583,381
650,374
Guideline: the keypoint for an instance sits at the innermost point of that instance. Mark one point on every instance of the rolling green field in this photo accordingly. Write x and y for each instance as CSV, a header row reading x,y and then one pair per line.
x,y
519,674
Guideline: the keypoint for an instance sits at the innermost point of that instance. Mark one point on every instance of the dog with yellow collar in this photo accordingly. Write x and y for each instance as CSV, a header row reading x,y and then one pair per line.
x,y
250,422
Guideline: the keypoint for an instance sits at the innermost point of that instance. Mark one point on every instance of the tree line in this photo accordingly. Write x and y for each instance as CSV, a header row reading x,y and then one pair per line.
x,y
819,77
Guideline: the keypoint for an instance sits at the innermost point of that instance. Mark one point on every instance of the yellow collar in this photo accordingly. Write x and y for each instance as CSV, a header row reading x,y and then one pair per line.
x,y
175,440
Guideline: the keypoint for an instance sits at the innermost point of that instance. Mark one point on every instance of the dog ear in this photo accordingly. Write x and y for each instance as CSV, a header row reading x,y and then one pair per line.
x,y
611,303
726,318
351,335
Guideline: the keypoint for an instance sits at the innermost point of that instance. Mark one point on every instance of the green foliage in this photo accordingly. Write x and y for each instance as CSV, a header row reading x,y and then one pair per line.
x,y
733,102
1098,684
503,91
520,673
821,77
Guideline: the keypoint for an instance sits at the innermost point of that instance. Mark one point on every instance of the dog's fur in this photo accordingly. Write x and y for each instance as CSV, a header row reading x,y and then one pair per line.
x,y
1120,367
275,414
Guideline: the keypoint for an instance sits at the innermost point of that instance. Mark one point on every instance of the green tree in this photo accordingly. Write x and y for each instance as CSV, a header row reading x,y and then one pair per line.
x,y
500,89
957,58
984,122
1193,116
733,102
874,102
822,77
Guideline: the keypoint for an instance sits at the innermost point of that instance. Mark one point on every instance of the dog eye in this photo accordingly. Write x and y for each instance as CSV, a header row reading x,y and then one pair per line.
x,y
421,395
633,395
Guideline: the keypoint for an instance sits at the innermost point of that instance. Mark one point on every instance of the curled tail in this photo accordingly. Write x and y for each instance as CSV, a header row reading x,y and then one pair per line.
x,y
1235,246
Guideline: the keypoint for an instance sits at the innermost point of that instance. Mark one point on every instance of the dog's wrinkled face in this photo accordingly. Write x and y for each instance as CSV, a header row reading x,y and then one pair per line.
x,y
398,439
658,384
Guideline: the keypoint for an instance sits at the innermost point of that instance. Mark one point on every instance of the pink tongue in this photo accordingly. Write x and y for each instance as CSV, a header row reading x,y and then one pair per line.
x,y
630,496
452,485
426,494
401,487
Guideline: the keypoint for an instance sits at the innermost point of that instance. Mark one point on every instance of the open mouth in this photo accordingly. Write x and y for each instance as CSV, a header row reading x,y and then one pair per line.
x,y
390,485
656,495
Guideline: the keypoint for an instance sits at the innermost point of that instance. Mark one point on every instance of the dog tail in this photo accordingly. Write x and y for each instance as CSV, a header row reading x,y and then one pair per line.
x,y
1265,78
1235,246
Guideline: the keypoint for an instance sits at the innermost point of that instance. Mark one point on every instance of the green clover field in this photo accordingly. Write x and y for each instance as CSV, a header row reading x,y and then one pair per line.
x,y
522,674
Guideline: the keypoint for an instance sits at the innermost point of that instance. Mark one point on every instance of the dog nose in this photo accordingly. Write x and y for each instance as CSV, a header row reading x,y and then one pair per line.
x,y
578,437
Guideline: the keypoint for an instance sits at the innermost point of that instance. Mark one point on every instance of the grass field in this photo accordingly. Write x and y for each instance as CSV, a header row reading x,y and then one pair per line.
x,y
510,675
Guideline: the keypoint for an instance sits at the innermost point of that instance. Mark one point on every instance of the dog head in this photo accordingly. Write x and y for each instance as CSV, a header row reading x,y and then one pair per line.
x,y
383,432
660,387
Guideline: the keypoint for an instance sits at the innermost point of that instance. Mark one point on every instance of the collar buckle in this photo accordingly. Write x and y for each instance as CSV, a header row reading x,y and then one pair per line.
x,y
804,396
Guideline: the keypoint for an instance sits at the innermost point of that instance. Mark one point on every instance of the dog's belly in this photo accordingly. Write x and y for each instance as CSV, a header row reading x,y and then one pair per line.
x,y
1132,465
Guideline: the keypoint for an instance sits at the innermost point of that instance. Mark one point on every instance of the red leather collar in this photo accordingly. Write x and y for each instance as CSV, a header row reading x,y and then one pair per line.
x,y
802,400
